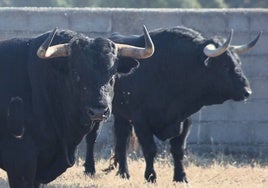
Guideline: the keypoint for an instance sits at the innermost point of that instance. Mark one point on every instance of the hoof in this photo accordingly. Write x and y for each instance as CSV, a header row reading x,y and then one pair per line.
x,y
150,177
90,172
182,178
124,175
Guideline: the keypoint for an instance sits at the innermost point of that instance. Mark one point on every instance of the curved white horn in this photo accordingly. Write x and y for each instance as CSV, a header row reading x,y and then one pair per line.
x,y
46,51
137,52
211,51
245,47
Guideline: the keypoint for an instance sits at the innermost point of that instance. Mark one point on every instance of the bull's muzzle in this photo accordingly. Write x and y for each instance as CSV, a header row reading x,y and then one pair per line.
x,y
248,92
98,114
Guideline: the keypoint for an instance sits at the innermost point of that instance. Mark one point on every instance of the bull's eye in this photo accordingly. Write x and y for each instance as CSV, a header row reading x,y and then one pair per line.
x,y
238,70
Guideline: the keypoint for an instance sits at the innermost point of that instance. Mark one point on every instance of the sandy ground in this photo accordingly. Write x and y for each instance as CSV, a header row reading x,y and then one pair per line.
x,y
212,175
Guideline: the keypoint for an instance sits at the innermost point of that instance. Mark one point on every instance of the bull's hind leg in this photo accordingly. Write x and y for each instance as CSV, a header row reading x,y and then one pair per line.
x,y
177,149
90,141
123,131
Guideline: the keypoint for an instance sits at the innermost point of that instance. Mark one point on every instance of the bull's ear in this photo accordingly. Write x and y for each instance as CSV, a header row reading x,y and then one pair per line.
x,y
127,65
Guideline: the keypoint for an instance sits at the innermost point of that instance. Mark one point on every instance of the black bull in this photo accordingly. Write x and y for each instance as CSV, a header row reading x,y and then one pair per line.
x,y
54,88
186,72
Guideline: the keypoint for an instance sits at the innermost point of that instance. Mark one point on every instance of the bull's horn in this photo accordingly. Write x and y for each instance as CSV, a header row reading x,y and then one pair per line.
x,y
245,47
137,52
211,51
46,51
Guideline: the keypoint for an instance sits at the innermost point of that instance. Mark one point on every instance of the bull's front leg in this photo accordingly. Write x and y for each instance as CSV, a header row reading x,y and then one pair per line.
x,y
149,149
177,150
122,129
21,182
20,162
90,141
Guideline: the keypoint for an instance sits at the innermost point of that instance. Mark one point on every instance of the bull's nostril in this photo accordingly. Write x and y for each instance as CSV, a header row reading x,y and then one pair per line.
x,y
248,92
98,114
106,112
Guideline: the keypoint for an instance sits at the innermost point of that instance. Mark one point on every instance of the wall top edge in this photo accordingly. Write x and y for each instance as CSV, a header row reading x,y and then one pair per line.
x,y
40,9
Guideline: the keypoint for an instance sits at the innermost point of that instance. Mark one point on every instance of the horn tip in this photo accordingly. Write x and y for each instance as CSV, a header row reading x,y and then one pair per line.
x,y
232,32
54,29
229,39
258,36
144,28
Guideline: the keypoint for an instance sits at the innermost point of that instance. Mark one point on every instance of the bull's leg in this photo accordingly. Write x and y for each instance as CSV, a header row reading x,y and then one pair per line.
x,y
90,141
20,182
37,185
177,150
20,165
123,131
149,149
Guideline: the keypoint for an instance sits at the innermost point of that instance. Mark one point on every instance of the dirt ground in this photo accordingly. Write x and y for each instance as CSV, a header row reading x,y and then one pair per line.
x,y
201,174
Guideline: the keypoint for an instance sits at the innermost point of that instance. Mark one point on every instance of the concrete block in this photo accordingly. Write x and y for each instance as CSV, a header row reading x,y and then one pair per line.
x,y
48,20
14,20
250,150
205,21
154,20
128,22
90,21
224,132
254,110
260,131
238,21
258,21
259,87
255,66
4,35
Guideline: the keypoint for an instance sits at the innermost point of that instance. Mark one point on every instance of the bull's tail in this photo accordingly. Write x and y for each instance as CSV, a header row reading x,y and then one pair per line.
x,y
132,146
133,143
112,164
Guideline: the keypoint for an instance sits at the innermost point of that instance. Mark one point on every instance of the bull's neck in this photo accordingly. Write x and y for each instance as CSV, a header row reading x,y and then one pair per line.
x,y
65,109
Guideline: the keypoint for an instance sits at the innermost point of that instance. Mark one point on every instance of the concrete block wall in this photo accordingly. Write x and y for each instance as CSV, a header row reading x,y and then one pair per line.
x,y
232,126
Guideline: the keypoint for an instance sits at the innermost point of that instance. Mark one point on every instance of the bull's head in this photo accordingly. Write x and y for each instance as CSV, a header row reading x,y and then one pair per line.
x,y
93,65
224,61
